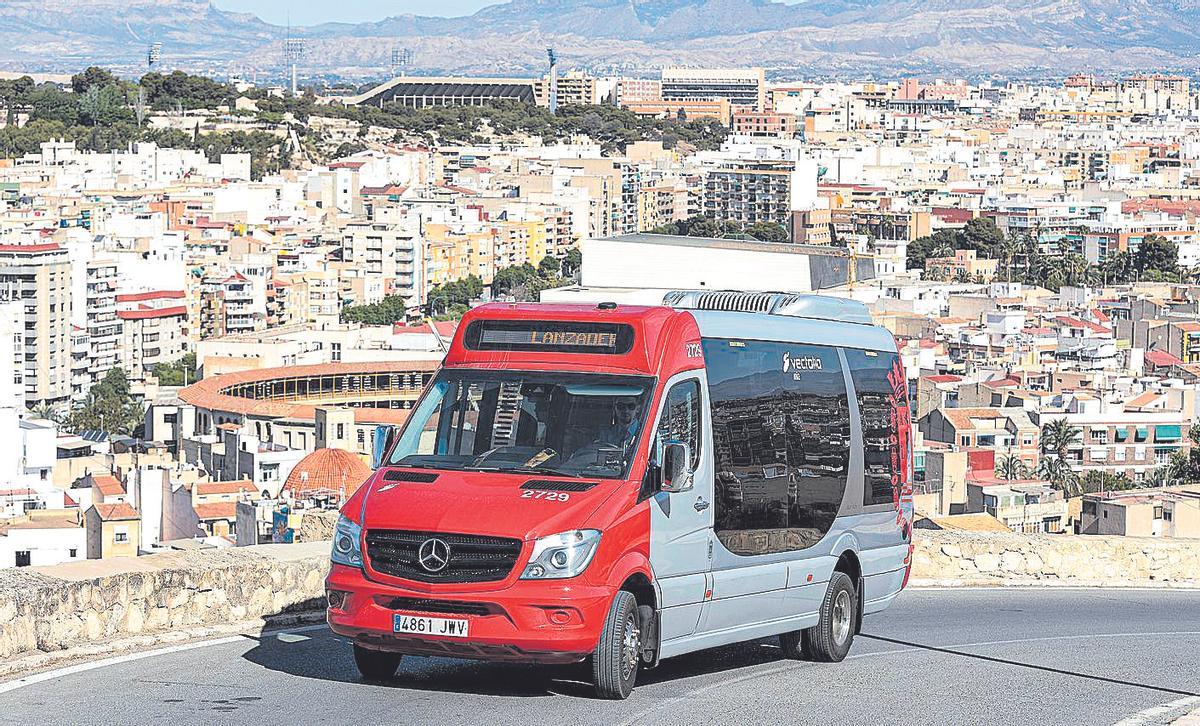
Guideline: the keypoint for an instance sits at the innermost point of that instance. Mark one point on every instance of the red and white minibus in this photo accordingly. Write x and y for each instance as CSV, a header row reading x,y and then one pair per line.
x,y
630,483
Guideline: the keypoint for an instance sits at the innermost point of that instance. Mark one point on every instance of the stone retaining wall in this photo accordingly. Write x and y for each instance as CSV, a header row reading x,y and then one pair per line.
x,y
942,558
53,608
89,602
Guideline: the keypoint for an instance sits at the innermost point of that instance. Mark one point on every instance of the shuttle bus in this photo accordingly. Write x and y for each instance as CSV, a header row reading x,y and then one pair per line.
x,y
623,484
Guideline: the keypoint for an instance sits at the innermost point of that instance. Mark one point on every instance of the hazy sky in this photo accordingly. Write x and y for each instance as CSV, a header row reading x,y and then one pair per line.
x,y
310,12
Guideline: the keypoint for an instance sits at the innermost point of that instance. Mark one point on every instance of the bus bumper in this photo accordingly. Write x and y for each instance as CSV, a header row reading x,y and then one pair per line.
x,y
529,621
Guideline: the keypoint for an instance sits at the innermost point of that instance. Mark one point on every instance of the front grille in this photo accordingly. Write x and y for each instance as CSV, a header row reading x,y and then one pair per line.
x,y
549,485
440,607
473,558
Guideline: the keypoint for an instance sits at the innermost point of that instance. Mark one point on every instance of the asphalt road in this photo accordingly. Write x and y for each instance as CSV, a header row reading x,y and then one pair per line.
x,y
936,657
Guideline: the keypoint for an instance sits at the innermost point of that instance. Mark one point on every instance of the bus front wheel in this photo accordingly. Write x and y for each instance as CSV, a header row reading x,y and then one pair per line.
x,y
829,640
617,655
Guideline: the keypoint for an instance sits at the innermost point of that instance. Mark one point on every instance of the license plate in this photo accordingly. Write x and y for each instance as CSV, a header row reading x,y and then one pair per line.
x,y
420,625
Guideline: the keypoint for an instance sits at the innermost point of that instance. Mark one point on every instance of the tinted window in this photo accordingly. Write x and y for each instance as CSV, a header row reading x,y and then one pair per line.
x,y
681,418
781,438
883,407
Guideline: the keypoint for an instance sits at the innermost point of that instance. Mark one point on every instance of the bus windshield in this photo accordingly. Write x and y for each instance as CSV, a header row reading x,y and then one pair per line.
x,y
536,422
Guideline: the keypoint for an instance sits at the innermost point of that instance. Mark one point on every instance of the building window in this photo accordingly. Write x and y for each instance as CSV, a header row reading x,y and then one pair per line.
x,y
23,558
72,553
120,536
781,438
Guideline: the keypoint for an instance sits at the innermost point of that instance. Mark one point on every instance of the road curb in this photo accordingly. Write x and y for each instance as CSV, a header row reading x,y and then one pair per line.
x,y
1191,719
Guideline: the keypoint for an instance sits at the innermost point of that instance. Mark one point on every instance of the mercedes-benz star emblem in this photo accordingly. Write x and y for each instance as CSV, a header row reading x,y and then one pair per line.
x,y
434,554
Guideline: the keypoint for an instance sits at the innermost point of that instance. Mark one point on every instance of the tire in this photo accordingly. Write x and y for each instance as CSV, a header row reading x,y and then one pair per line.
x,y
376,665
830,639
617,655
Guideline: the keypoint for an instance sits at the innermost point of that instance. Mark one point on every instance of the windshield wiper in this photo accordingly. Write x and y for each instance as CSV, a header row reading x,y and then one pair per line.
x,y
526,470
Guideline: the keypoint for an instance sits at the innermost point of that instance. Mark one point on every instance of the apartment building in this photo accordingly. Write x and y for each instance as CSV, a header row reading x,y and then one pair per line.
x,y
390,252
750,192
764,123
40,276
744,87
153,330
103,329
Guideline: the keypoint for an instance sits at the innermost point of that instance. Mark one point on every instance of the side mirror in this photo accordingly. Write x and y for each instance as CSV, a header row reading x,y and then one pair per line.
x,y
676,467
385,436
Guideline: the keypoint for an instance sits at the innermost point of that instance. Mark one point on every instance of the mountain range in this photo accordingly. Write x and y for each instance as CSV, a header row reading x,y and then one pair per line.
x,y
811,38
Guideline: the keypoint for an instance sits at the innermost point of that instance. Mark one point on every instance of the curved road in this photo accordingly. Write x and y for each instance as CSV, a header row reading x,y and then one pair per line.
x,y
938,656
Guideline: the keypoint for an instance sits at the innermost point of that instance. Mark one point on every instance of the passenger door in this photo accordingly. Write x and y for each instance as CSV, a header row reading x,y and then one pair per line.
x,y
681,522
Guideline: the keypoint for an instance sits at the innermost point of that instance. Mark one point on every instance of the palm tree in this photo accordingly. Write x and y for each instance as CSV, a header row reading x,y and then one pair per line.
x,y
47,411
1012,467
1008,251
1058,472
1057,436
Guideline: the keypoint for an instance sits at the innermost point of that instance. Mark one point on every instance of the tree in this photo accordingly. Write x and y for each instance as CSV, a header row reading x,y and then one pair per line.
x,y
767,232
509,278
179,373
572,263
549,267
100,105
1057,436
1156,254
389,310
1012,467
92,77
982,235
109,407
453,298
1103,481
47,411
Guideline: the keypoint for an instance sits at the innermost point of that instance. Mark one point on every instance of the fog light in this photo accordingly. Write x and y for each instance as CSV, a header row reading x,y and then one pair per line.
x,y
336,598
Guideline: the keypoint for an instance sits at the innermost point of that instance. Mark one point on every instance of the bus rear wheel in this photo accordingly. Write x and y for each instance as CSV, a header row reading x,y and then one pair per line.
x,y
617,655
829,640
376,665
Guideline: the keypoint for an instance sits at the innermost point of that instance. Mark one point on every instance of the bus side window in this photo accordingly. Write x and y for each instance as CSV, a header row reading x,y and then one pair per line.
x,y
883,408
680,420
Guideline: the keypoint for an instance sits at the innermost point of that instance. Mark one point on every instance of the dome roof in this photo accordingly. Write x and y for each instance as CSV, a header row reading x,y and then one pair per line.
x,y
327,471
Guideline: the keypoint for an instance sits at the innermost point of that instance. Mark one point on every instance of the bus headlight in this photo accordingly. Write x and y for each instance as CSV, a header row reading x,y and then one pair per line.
x,y
347,539
562,555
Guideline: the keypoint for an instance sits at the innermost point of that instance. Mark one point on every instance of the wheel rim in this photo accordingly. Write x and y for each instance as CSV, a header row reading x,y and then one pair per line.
x,y
630,647
842,615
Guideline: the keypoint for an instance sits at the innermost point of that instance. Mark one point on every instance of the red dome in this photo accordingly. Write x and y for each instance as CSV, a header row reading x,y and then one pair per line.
x,y
327,471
